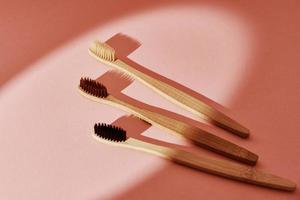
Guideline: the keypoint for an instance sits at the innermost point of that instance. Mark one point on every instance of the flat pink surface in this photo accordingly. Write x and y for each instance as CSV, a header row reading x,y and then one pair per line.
x,y
242,55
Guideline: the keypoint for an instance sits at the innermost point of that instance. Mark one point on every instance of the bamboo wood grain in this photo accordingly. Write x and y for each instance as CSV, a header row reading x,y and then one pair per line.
x,y
179,97
210,165
199,136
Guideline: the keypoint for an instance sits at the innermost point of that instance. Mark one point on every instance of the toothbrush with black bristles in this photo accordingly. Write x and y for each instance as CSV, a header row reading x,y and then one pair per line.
x,y
117,136
97,92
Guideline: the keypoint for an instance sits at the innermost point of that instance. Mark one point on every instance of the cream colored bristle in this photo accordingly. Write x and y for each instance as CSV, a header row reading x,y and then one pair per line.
x,y
103,50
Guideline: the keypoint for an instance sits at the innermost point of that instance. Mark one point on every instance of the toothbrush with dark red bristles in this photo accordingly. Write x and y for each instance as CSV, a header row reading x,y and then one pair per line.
x,y
97,92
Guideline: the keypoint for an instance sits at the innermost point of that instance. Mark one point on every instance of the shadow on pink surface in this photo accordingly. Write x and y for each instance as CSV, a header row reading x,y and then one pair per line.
x,y
121,81
135,127
125,45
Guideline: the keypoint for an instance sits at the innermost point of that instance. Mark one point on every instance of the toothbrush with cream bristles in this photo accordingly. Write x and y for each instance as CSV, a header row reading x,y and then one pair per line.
x,y
107,55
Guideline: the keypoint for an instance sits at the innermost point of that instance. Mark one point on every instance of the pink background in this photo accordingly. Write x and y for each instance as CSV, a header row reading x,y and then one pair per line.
x,y
243,55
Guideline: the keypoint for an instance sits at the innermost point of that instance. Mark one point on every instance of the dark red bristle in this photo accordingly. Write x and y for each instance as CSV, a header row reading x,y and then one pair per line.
x,y
93,87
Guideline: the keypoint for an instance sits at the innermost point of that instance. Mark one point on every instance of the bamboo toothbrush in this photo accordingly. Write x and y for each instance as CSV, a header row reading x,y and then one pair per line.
x,y
117,136
106,54
97,92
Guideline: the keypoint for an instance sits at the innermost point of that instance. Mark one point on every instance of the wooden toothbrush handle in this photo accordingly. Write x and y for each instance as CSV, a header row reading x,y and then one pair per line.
x,y
214,166
189,102
232,171
222,146
199,136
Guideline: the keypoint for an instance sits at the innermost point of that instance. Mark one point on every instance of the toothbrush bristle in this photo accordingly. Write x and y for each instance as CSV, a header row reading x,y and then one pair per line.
x,y
103,50
93,87
110,132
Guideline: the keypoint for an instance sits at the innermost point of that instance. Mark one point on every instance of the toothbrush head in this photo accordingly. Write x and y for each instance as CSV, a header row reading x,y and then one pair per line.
x,y
93,87
110,132
103,51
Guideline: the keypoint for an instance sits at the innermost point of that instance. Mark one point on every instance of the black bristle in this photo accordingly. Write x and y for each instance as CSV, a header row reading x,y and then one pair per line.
x,y
93,87
110,132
